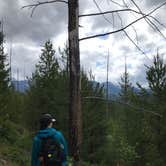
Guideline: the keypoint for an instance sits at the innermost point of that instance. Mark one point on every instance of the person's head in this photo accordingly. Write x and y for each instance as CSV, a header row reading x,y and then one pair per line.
x,y
46,121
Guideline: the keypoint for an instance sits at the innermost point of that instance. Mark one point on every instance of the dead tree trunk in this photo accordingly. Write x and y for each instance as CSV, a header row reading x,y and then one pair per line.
x,y
75,117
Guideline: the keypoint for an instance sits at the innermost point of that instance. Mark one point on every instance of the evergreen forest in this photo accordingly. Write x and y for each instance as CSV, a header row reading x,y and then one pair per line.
x,y
129,130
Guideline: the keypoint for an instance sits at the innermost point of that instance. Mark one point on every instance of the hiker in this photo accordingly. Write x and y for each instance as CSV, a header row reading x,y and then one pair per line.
x,y
49,146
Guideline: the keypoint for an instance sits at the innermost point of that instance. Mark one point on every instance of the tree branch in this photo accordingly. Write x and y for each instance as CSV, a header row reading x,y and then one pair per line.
x,y
151,24
136,45
155,19
34,6
109,12
116,3
121,29
101,12
121,10
126,5
123,103
127,35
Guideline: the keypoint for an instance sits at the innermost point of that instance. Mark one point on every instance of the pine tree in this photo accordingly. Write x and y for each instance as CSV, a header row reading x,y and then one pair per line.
x,y
47,67
126,85
125,96
43,84
94,122
4,78
65,58
156,76
129,122
152,144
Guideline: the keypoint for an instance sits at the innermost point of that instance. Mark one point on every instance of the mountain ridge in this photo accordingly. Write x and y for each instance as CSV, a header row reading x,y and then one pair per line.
x,y
113,89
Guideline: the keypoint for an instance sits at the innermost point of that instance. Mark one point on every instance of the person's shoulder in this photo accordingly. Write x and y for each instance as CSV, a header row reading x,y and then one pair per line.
x,y
36,137
57,133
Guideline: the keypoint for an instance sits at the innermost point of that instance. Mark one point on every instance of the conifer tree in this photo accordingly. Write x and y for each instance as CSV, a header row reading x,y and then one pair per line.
x,y
4,78
125,96
94,122
126,85
48,64
153,100
43,93
156,76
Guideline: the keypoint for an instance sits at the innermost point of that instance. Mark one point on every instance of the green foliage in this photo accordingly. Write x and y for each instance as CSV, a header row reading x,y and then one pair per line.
x,y
17,107
136,133
48,89
15,144
4,80
7,131
126,87
81,163
16,155
152,143
130,136
94,121
119,150
14,139
156,76
127,153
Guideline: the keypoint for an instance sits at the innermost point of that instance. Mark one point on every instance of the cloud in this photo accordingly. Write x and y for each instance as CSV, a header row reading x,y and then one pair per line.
x,y
46,22
29,34
154,2
51,22
24,59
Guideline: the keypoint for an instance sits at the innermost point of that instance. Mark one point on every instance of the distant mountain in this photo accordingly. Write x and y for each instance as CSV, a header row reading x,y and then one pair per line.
x,y
112,88
20,86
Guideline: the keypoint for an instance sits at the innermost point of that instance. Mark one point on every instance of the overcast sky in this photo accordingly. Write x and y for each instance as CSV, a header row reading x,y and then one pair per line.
x,y
28,34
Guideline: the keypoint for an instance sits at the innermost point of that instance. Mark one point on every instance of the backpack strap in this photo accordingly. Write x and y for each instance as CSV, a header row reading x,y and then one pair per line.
x,y
41,159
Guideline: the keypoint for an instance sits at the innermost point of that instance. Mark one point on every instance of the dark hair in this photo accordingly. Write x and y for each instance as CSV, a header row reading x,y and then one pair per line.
x,y
45,121
44,125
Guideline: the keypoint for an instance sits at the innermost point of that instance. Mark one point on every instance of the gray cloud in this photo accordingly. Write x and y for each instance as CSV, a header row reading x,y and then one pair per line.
x,y
154,2
109,22
50,21
24,59
140,76
159,15
47,21
25,32
125,49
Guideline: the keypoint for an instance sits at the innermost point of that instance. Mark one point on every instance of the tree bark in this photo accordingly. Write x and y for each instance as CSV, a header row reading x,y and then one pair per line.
x,y
75,114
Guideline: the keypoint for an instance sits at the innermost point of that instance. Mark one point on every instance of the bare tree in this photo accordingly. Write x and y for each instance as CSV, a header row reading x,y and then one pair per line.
x,y
75,114
74,55
143,16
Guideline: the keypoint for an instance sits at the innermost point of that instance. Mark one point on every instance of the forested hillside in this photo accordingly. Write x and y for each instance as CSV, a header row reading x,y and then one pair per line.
x,y
128,131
